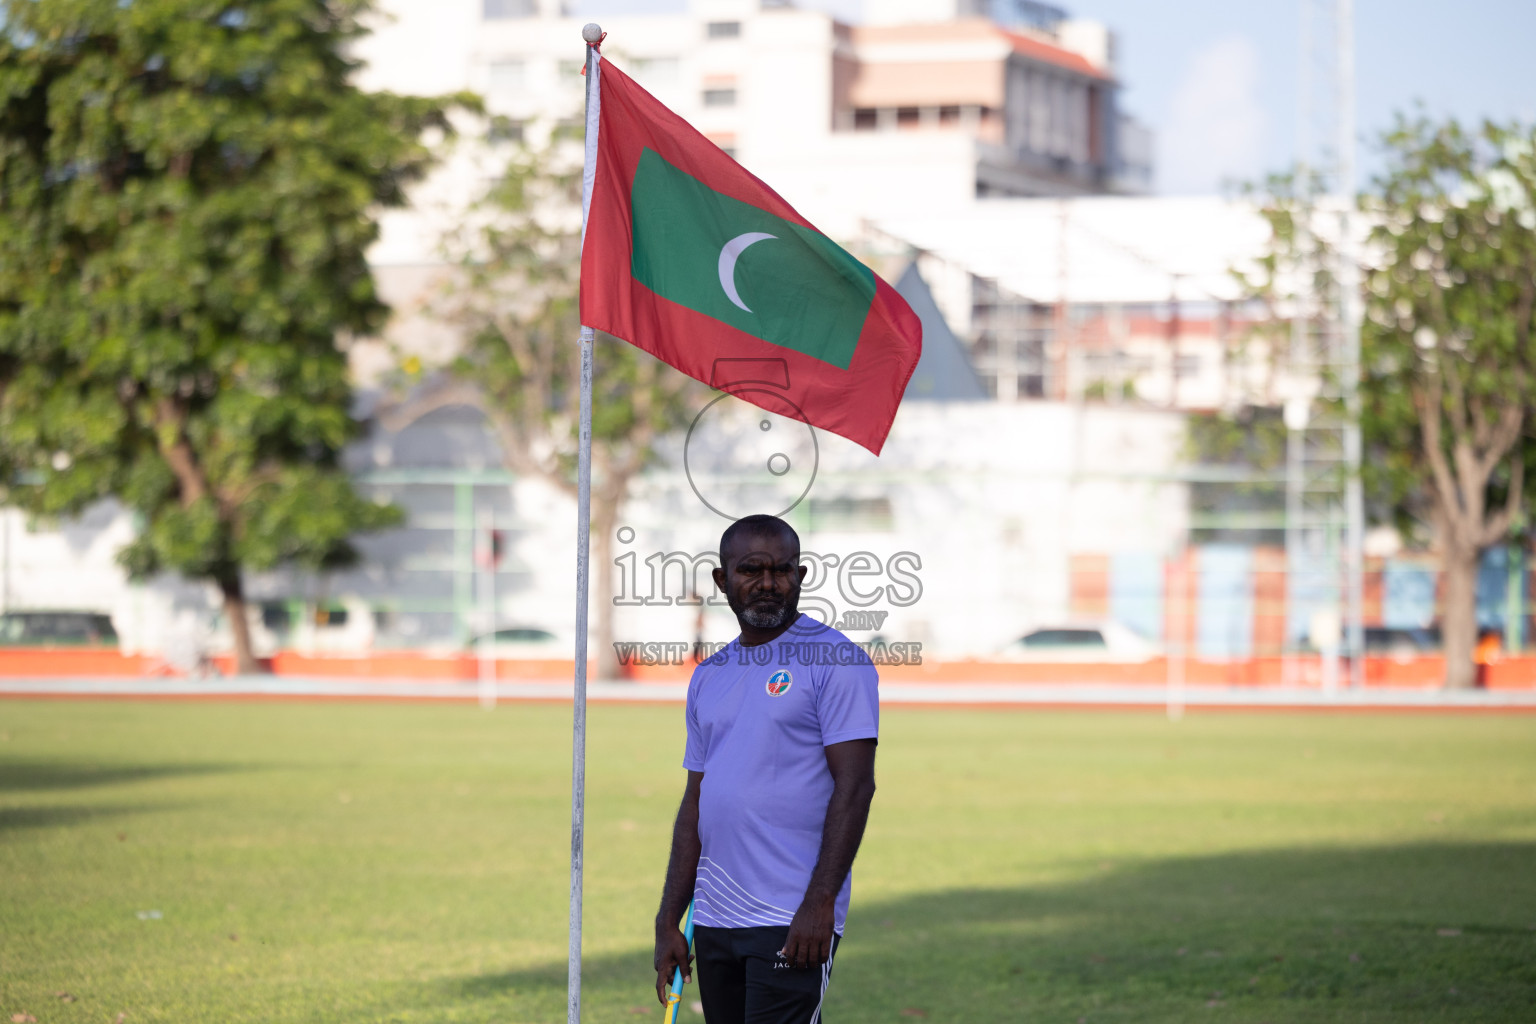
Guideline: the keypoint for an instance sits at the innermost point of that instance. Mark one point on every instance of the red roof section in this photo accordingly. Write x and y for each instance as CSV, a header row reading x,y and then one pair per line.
x,y
1044,52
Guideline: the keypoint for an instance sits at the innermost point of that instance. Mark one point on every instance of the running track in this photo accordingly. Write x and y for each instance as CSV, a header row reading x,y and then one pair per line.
x,y
1077,695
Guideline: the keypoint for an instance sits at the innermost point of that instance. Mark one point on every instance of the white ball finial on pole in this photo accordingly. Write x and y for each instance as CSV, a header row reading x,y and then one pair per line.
x,y
592,32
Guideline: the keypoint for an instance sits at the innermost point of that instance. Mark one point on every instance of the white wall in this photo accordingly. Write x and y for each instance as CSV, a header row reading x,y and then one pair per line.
x,y
993,499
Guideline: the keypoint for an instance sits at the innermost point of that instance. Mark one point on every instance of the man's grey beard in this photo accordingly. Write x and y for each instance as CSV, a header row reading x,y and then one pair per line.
x,y
764,619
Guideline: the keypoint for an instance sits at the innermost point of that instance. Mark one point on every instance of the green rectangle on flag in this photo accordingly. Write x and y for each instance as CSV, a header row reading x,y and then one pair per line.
x,y
766,276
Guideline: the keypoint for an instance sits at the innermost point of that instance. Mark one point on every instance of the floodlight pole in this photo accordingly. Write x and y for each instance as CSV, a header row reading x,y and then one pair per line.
x,y
485,549
593,35
1178,640
1297,406
1325,506
1349,317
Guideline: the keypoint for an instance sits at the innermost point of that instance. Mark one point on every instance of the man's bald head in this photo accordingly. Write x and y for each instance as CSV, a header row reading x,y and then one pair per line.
x,y
736,540
760,575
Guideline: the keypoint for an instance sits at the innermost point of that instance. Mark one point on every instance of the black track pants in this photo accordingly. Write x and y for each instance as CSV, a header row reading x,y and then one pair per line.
x,y
743,980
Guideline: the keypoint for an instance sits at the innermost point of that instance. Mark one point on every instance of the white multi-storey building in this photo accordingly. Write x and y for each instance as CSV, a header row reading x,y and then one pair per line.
x,y
926,99
930,108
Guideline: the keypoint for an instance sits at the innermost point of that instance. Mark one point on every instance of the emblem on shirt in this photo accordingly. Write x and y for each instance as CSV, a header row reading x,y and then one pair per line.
x,y
778,683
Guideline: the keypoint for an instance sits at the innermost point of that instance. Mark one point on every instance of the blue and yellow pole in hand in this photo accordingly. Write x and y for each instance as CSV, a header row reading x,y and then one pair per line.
x,y
675,997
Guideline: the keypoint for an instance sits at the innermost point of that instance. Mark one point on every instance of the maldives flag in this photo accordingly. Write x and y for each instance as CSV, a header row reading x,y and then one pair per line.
x,y
693,259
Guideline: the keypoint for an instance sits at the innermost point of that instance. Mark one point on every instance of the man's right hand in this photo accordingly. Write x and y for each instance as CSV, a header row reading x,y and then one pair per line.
x,y
671,953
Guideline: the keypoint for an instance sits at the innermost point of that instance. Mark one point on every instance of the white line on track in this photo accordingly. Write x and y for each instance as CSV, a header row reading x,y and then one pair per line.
x,y
891,694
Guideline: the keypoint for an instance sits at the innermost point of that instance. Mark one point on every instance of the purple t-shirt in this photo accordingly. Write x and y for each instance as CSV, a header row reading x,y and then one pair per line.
x,y
758,720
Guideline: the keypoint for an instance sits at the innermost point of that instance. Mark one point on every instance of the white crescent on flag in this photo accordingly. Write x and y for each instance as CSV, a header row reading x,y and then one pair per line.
x,y
729,254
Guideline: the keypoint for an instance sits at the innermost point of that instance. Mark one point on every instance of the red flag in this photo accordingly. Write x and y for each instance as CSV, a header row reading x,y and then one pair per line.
x,y
692,258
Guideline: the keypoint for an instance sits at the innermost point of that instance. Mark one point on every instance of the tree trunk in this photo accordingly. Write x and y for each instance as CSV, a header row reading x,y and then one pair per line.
x,y
605,515
1458,623
239,626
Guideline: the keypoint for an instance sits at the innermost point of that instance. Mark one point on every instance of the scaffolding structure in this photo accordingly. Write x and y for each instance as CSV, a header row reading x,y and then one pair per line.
x,y
1325,509
1013,343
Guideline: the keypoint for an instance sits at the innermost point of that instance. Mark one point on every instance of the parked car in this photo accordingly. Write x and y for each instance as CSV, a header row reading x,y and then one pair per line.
x,y
1401,642
57,629
521,642
1081,641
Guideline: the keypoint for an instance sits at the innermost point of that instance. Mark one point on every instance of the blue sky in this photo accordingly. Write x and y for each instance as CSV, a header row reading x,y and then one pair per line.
x,y
1217,79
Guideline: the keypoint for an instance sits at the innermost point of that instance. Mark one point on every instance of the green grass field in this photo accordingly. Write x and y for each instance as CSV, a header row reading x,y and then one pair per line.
x,y
324,862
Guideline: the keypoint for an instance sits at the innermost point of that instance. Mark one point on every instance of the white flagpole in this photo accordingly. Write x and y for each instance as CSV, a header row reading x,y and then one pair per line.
x,y
593,35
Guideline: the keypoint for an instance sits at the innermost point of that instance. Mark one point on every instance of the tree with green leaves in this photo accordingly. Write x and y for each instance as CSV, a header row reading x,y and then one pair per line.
x,y
187,193
1449,282
1446,349
512,295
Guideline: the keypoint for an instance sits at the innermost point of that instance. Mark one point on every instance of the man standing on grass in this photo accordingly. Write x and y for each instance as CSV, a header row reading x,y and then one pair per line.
x,y
782,726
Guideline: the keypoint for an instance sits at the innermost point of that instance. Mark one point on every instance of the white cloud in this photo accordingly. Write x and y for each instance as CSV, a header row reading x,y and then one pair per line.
x,y
1214,131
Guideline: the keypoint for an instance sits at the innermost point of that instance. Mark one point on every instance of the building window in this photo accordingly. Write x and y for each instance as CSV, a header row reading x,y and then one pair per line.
x,y
864,119
719,97
494,10
505,76
724,29
276,616
1186,366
